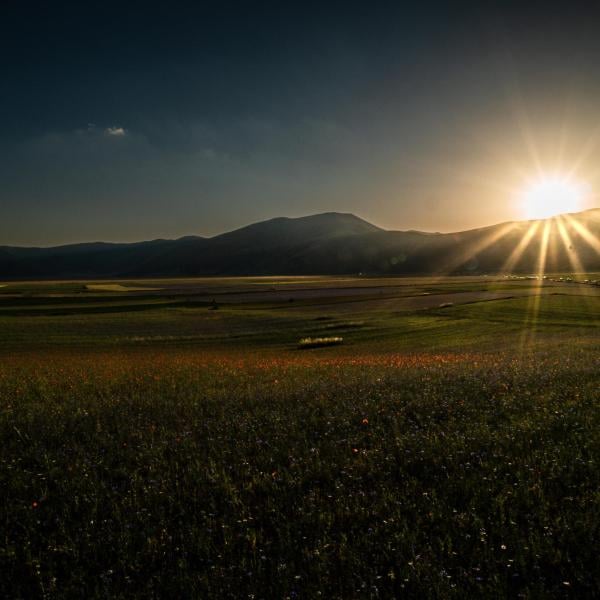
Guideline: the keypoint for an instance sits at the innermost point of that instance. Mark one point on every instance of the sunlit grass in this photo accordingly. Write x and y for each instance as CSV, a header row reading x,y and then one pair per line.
x,y
117,287
318,342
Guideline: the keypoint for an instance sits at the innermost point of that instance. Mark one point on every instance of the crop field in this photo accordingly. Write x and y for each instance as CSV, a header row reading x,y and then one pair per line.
x,y
436,438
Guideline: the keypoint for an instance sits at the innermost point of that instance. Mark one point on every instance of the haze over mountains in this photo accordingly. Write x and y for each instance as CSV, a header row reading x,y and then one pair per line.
x,y
329,243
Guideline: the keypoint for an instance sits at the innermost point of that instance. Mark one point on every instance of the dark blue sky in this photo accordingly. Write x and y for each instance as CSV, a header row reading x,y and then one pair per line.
x,y
128,121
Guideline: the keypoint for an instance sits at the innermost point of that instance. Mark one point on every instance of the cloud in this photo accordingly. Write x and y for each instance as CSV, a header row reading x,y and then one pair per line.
x,y
115,131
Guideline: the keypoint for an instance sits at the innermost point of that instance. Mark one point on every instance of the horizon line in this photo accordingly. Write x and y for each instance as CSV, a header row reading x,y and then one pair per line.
x,y
312,215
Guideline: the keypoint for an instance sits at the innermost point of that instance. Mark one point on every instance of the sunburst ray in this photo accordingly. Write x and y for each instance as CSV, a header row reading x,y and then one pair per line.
x,y
533,305
585,233
516,254
576,264
571,253
480,245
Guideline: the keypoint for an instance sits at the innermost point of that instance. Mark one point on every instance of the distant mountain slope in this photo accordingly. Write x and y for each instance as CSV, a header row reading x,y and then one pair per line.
x,y
79,260
329,243
261,248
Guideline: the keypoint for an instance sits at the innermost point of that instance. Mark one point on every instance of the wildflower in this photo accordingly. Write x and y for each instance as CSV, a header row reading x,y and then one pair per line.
x,y
365,421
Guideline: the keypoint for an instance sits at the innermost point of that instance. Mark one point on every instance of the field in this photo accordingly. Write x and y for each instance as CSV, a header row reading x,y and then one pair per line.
x,y
172,439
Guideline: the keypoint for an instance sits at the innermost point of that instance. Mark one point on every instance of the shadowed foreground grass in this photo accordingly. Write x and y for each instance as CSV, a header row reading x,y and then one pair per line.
x,y
177,474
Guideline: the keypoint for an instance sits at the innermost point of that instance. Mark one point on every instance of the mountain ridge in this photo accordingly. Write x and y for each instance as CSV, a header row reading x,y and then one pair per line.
x,y
324,243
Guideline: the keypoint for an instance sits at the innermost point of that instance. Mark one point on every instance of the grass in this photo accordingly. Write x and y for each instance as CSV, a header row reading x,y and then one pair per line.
x,y
117,287
182,452
319,342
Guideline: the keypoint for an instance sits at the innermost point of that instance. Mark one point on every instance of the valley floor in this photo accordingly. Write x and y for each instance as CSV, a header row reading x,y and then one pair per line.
x,y
169,438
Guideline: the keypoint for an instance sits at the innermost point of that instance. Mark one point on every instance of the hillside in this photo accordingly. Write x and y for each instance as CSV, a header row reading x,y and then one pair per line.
x,y
329,243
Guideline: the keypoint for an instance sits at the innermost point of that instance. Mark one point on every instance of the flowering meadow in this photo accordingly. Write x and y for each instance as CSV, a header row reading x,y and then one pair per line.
x,y
178,470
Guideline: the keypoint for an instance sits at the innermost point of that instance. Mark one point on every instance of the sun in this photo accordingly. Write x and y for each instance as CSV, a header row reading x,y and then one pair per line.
x,y
551,196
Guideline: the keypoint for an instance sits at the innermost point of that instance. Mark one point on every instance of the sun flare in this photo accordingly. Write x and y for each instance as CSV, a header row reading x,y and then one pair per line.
x,y
551,196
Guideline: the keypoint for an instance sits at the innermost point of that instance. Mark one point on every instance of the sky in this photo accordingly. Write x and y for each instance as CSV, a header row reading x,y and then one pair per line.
x,y
138,120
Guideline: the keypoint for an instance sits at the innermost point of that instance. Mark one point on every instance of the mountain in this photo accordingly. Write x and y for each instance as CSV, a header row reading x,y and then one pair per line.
x,y
329,243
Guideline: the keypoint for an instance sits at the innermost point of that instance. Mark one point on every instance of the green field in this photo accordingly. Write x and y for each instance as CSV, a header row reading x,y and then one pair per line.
x,y
169,438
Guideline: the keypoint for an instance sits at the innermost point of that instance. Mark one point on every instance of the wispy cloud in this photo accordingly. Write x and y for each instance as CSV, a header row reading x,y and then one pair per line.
x,y
115,131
